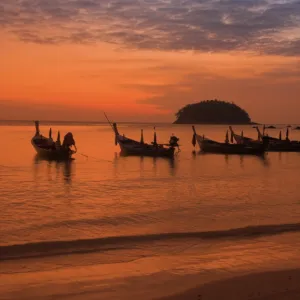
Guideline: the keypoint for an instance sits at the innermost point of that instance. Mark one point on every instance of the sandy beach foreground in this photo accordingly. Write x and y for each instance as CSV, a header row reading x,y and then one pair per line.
x,y
275,285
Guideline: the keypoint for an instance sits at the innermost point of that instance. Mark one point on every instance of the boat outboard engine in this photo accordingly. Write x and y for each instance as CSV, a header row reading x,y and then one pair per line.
x,y
174,141
69,141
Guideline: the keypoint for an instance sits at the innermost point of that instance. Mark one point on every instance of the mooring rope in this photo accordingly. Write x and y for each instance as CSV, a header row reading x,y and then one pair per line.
x,y
95,158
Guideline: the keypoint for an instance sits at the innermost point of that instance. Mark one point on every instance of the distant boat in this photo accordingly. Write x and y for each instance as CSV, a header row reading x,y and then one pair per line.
x,y
211,146
46,147
279,144
132,147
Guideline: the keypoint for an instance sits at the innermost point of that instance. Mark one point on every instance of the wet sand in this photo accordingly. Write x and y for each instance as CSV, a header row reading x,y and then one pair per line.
x,y
275,285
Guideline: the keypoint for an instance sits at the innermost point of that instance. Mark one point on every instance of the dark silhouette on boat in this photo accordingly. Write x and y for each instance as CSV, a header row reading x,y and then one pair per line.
x,y
210,146
47,148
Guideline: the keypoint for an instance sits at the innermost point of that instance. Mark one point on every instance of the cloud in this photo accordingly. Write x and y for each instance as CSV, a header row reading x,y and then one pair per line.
x,y
272,94
261,26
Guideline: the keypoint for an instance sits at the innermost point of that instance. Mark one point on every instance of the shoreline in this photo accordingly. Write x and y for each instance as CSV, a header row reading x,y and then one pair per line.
x,y
269,285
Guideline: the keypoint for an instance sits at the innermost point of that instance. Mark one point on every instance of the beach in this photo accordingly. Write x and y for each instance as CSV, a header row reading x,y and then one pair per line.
x,y
172,269
276,285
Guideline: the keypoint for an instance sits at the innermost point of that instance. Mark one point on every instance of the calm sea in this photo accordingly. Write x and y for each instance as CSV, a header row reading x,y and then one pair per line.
x,y
113,227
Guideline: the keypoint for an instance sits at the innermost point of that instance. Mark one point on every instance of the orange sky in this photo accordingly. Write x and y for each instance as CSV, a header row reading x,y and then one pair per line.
x,y
52,71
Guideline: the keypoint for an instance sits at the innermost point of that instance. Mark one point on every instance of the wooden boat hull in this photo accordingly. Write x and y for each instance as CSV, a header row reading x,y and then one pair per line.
x,y
274,145
208,146
61,154
280,145
146,150
132,147
284,147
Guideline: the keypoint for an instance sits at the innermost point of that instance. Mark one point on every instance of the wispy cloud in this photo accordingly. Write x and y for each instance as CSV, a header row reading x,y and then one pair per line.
x,y
263,26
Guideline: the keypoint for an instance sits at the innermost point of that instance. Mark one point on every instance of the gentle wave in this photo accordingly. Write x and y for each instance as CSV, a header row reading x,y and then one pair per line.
x,y
53,248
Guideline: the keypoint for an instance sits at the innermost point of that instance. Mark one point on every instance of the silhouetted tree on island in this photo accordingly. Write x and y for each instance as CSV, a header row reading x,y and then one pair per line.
x,y
212,112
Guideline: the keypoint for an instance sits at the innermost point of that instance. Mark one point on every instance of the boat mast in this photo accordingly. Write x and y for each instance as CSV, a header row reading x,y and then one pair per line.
x,y
142,137
37,128
58,139
194,140
260,136
155,138
114,128
227,137
231,134
111,125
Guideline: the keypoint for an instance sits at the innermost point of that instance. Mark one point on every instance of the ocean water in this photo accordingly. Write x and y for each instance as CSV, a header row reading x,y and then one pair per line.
x,y
104,226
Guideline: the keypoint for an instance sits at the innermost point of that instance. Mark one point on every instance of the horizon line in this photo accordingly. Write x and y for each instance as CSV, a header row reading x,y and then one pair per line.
x,y
128,122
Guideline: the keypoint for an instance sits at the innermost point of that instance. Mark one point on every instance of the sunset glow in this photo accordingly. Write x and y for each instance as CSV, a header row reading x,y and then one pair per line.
x,y
143,60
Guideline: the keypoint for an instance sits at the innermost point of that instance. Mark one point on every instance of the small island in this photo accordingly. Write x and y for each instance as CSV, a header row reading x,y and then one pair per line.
x,y
212,112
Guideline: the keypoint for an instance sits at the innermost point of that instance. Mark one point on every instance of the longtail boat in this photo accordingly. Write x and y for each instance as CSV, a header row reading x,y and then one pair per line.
x,y
241,139
274,144
131,147
211,146
280,144
46,147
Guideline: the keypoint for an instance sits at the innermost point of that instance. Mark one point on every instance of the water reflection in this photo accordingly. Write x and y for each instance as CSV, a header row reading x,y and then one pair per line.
x,y
242,161
228,157
64,169
265,160
142,166
143,163
194,154
172,164
155,165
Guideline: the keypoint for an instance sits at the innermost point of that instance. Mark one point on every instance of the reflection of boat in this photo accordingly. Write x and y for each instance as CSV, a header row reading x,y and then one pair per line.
x,y
46,147
62,167
210,146
132,147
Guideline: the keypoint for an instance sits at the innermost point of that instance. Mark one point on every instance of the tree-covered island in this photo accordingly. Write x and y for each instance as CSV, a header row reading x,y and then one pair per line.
x,y
212,112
